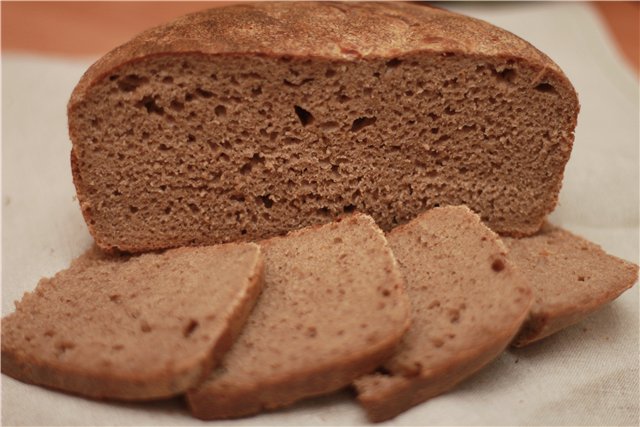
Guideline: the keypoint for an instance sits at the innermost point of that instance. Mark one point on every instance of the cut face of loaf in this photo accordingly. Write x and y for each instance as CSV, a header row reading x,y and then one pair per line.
x,y
243,122
137,328
332,309
467,303
570,278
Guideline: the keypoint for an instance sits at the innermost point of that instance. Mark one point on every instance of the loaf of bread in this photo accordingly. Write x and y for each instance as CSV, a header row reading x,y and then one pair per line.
x,y
136,328
570,278
333,308
244,122
467,299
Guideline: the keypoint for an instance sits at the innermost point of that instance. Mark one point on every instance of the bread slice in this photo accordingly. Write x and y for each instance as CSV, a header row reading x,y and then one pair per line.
x,y
468,301
570,278
136,328
247,121
332,309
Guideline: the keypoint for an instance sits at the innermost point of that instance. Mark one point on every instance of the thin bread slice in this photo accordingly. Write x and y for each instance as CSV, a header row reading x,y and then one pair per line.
x,y
332,309
135,328
468,301
570,278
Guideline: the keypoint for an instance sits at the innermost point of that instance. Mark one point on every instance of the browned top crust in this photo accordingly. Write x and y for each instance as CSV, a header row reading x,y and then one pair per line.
x,y
335,31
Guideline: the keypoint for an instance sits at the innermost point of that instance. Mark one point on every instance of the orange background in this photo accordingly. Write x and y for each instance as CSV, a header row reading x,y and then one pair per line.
x,y
94,28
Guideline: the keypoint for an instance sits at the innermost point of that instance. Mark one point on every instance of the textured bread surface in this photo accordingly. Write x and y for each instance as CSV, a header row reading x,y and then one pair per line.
x,y
134,328
245,122
570,278
332,309
467,303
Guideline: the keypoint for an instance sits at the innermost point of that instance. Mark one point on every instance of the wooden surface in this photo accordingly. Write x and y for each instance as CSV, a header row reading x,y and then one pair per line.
x,y
93,28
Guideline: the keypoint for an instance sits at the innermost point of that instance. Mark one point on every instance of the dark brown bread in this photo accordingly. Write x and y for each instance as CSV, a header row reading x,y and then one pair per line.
x,y
136,328
467,299
570,278
247,121
332,309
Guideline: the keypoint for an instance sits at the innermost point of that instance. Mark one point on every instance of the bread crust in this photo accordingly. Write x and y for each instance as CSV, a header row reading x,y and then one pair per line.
x,y
164,383
333,31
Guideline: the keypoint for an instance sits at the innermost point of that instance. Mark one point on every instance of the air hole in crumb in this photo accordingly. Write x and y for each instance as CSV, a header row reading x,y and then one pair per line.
x,y
507,75
361,123
337,240
266,201
546,88
114,77
194,208
256,91
145,327
580,278
385,292
330,72
177,105
393,63
349,208
437,342
150,105
204,93
243,231
133,209
191,138
131,82
342,98
329,126
324,211
434,304
167,79
63,346
304,116
454,316
497,265
188,97
164,147
114,298
167,210
220,110
190,328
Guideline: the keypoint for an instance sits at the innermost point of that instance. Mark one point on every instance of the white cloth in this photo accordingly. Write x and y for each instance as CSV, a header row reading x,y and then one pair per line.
x,y
585,375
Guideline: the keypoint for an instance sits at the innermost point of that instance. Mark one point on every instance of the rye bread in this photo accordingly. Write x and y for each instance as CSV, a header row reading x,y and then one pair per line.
x,y
570,278
467,299
247,121
137,328
333,308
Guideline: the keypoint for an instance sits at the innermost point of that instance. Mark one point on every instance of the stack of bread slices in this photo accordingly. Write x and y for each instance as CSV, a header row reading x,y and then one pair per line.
x,y
278,193
239,328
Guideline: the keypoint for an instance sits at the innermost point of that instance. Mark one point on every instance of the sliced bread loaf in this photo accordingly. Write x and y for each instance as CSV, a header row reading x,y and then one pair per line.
x,y
570,278
332,309
467,300
136,328
247,121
